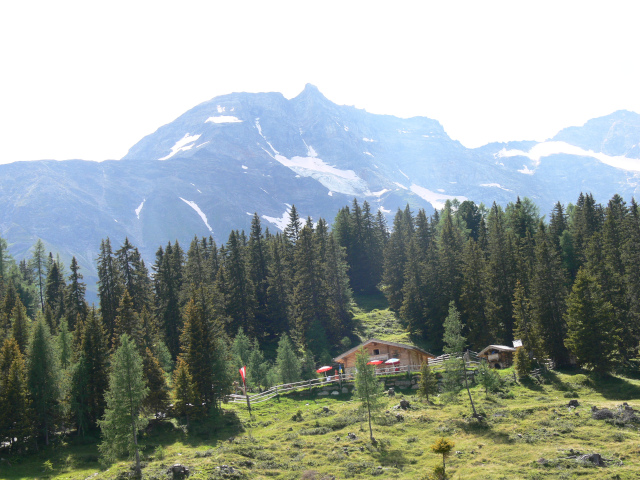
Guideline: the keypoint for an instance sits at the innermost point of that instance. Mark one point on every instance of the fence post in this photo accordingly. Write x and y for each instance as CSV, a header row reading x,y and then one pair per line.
x,y
246,394
277,396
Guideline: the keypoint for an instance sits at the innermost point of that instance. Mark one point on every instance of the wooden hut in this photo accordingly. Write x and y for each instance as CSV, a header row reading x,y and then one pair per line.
x,y
410,357
498,356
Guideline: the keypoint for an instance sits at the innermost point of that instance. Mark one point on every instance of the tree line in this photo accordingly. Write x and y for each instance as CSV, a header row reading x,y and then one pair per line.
x,y
282,302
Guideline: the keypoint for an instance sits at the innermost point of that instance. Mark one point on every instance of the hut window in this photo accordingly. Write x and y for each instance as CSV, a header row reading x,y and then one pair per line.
x,y
376,351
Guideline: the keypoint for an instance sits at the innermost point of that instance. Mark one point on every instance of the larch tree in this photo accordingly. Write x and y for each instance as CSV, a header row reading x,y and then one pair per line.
x,y
123,417
38,264
367,388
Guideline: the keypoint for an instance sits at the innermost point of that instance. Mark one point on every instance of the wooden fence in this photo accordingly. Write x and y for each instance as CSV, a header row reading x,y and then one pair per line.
x,y
471,358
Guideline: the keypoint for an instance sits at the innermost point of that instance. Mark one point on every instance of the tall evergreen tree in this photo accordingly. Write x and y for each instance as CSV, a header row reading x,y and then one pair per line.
x,y
128,321
16,414
20,325
43,373
472,299
38,264
127,391
367,387
76,307
287,363
592,332
54,292
109,287
90,375
547,298
453,340
167,282
394,260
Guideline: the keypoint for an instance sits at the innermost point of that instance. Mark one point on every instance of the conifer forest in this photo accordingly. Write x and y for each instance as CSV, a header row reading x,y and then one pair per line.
x,y
566,282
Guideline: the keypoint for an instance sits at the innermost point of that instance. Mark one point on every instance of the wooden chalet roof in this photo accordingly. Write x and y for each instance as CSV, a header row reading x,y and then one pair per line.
x,y
383,342
500,348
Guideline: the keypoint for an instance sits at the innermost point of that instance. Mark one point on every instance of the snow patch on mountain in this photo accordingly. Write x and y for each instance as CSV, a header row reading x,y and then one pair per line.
x,y
279,222
383,210
198,211
185,143
139,209
407,176
341,181
244,167
223,119
310,150
380,193
401,186
526,170
496,185
434,198
221,109
368,153
265,139
368,139
545,149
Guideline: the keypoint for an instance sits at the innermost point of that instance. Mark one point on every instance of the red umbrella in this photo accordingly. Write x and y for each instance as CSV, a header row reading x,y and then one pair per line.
x,y
392,360
374,362
324,369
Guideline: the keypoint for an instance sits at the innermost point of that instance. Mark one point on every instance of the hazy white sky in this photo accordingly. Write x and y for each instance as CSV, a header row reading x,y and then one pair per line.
x,y
88,79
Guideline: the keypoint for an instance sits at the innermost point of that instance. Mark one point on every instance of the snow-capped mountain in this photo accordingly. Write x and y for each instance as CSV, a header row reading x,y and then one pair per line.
x,y
208,171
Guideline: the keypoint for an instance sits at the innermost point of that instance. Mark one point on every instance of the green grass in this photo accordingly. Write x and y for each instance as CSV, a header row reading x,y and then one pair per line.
x,y
528,434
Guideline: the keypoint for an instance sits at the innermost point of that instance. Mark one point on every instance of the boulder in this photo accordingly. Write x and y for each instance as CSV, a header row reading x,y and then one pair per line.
x,y
404,404
335,392
391,392
594,458
345,390
323,393
573,403
178,471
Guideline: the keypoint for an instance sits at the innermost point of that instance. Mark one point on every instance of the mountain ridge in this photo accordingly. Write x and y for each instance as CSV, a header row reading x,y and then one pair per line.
x,y
210,169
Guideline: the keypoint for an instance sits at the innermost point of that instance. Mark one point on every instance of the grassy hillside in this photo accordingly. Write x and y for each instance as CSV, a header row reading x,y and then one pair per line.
x,y
529,433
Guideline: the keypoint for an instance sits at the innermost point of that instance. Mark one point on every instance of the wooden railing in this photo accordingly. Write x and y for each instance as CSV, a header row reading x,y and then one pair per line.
x,y
471,358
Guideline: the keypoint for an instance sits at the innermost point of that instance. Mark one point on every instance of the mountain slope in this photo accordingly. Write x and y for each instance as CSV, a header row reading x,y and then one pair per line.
x,y
209,170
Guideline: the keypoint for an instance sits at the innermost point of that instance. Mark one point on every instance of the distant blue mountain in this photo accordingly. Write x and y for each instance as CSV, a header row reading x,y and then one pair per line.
x,y
209,170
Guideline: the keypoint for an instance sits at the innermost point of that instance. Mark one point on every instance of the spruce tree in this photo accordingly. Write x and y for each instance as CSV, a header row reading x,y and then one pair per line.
x,y
76,307
472,296
16,415
592,334
128,321
64,345
428,384
90,375
287,363
109,287
157,400
548,299
43,373
127,391
54,293
257,368
20,326
241,349
167,283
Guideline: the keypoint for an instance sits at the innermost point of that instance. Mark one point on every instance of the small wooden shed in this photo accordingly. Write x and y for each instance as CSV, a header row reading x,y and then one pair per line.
x,y
498,356
383,350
